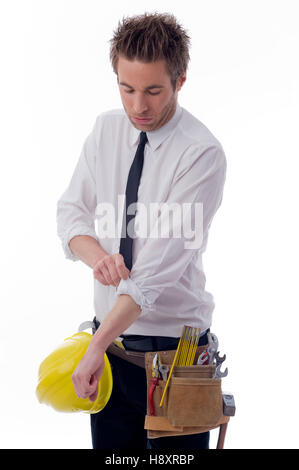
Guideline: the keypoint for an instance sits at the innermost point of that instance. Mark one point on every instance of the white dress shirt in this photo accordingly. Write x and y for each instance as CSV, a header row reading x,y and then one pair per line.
x,y
183,163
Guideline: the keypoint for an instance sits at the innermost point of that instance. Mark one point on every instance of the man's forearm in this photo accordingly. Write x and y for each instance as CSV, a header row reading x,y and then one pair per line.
x,y
87,249
124,312
89,370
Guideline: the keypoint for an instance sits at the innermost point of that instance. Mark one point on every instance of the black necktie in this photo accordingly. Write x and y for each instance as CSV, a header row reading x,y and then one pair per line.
x,y
131,197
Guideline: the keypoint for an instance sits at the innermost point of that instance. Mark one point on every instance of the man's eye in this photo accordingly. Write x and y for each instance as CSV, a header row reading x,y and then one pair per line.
x,y
149,92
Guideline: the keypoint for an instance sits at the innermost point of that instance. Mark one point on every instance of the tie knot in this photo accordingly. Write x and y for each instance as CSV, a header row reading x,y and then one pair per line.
x,y
143,138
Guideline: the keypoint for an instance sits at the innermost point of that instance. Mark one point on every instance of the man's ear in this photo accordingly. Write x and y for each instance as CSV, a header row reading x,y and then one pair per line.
x,y
181,81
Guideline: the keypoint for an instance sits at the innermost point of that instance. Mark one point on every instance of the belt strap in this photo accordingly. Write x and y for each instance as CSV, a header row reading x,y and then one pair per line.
x,y
135,357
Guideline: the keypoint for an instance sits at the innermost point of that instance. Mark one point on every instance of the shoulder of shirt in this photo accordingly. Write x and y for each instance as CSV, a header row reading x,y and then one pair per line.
x,y
196,133
108,120
106,123
116,114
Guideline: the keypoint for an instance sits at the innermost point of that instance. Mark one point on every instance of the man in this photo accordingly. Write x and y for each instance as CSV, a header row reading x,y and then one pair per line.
x,y
147,291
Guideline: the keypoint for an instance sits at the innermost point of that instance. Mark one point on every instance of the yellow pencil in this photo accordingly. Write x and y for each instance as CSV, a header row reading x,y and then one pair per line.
x,y
185,345
194,347
184,336
179,358
189,347
171,370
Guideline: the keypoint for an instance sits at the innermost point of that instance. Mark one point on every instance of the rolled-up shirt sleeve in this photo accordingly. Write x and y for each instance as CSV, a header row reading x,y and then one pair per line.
x,y
162,261
76,207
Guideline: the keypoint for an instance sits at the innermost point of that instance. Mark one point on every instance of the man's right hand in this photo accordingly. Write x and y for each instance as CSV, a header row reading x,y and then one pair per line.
x,y
110,269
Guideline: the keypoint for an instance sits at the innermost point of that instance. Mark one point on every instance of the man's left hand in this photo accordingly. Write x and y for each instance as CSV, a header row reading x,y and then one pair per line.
x,y
88,372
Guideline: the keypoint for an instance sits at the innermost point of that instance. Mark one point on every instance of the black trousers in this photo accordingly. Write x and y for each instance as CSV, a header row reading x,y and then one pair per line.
x,y
120,425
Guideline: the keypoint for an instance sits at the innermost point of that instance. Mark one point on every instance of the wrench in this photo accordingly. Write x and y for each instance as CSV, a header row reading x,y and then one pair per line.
x,y
213,346
218,374
219,360
163,371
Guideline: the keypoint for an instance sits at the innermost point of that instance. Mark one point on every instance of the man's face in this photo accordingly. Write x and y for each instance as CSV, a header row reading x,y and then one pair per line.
x,y
147,93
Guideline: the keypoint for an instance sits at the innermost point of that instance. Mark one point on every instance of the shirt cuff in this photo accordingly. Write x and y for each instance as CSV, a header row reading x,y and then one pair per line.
x,y
129,287
74,232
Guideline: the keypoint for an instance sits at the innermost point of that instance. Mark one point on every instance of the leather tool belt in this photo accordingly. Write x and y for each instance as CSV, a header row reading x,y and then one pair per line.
x,y
193,401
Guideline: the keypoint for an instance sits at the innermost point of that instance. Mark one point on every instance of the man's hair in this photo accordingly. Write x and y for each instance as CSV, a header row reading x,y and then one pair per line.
x,y
150,37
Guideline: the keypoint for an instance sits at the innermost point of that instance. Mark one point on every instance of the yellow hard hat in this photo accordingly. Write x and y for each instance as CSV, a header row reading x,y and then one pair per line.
x,y
55,386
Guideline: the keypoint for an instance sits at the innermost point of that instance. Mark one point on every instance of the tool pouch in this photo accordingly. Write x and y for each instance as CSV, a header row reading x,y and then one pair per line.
x,y
193,401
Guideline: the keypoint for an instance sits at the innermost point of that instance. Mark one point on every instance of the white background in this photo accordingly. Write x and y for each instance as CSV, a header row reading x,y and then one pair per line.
x,y
243,84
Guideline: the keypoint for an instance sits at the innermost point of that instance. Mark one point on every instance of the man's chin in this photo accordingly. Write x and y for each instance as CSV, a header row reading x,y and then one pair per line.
x,y
145,127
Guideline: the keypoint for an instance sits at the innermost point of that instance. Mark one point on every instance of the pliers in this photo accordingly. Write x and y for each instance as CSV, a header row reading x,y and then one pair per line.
x,y
154,382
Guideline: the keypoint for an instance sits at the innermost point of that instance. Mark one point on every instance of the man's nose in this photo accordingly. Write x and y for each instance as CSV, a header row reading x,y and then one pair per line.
x,y
140,104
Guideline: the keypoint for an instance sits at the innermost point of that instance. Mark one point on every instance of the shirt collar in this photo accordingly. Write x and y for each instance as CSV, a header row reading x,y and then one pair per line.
x,y
156,137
